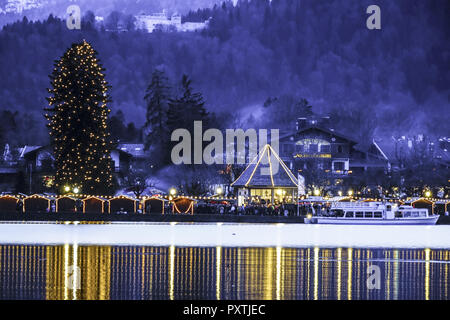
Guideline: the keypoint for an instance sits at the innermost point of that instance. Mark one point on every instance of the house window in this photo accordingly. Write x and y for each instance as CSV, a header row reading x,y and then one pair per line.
x,y
339,166
340,149
313,148
325,148
300,148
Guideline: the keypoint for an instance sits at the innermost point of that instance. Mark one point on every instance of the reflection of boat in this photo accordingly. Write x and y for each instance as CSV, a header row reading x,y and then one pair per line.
x,y
373,213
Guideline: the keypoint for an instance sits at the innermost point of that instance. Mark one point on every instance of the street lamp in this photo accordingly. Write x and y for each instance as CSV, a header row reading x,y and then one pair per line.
x,y
66,188
340,193
350,192
428,193
316,192
76,190
219,190
173,191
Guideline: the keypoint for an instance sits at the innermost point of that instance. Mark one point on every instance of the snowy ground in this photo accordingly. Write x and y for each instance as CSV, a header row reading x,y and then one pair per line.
x,y
227,234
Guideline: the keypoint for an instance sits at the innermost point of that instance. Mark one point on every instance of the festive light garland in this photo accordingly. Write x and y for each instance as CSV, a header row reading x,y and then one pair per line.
x,y
78,121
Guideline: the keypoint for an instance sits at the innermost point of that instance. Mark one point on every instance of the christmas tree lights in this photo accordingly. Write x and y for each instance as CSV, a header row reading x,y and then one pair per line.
x,y
77,116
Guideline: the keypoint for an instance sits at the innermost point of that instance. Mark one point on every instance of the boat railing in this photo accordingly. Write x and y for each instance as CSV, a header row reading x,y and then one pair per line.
x,y
342,205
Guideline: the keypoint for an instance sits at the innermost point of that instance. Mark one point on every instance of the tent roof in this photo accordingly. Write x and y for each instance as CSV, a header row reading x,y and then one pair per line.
x,y
267,158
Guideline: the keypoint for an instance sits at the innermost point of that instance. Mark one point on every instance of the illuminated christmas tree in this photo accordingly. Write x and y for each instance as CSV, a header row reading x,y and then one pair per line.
x,y
77,125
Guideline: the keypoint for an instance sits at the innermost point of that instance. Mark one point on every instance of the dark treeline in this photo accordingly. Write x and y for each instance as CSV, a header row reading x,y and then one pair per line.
x,y
256,53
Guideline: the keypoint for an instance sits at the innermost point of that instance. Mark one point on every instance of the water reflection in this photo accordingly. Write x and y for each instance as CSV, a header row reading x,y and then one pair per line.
x,y
72,272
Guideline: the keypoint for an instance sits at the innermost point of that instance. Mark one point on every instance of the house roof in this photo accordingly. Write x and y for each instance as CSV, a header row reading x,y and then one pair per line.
x,y
252,176
373,148
320,128
129,150
135,149
34,150
27,149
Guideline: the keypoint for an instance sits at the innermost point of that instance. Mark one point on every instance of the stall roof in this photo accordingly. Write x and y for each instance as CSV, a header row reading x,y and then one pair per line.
x,y
252,176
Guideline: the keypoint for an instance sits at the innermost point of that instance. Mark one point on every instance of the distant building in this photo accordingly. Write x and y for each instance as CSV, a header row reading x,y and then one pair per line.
x,y
403,150
18,6
314,146
160,21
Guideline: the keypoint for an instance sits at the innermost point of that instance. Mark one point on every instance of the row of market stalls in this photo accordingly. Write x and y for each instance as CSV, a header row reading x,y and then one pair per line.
x,y
266,180
121,204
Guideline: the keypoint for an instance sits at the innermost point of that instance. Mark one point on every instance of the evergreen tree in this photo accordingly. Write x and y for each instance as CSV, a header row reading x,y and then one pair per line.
x,y
304,108
186,109
117,127
77,125
183,111
157,97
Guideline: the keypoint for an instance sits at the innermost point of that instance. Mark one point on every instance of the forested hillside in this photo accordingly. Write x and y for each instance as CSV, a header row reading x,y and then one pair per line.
x,y
396,78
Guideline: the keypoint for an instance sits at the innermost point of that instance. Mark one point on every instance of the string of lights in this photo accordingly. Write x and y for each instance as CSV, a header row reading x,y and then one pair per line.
x,y
77,116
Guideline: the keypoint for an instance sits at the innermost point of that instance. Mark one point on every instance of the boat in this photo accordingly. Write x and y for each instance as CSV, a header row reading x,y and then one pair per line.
x,y
373,213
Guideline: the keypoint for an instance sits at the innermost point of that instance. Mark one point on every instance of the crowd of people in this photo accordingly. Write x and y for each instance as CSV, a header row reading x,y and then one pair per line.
x,y
257,208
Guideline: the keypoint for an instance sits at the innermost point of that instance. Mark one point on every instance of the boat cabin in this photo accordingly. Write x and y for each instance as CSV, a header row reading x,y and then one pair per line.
x,y
375,210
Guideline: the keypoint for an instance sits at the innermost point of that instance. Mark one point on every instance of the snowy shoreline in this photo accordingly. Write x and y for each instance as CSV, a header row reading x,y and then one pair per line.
x,y
226,234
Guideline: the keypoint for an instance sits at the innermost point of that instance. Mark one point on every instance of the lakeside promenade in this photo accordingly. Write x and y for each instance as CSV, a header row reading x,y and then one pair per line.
x,y
136,217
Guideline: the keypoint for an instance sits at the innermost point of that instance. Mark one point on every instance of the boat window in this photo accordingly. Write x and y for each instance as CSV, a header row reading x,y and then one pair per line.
x,y
368,214
338,213
377,214
406,214
349,214
423,213
415,214
398,214
359,214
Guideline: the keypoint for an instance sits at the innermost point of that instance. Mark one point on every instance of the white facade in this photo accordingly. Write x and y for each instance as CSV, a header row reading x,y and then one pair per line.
x,y
154,21
18,6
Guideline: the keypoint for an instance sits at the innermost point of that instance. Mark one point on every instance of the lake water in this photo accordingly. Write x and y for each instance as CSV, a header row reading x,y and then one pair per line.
x,y
72,271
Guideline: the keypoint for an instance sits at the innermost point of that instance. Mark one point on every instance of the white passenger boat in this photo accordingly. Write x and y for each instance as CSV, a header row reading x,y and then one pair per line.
x,y
374,213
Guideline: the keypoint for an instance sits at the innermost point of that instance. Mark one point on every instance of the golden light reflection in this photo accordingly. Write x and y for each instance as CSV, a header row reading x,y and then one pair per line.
x,y
75,283
218,273
349,276
66,272
266,279
388,274
130,272
396,275
427,274
339,263
308,268
278,283
446,274
316,273
171,271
